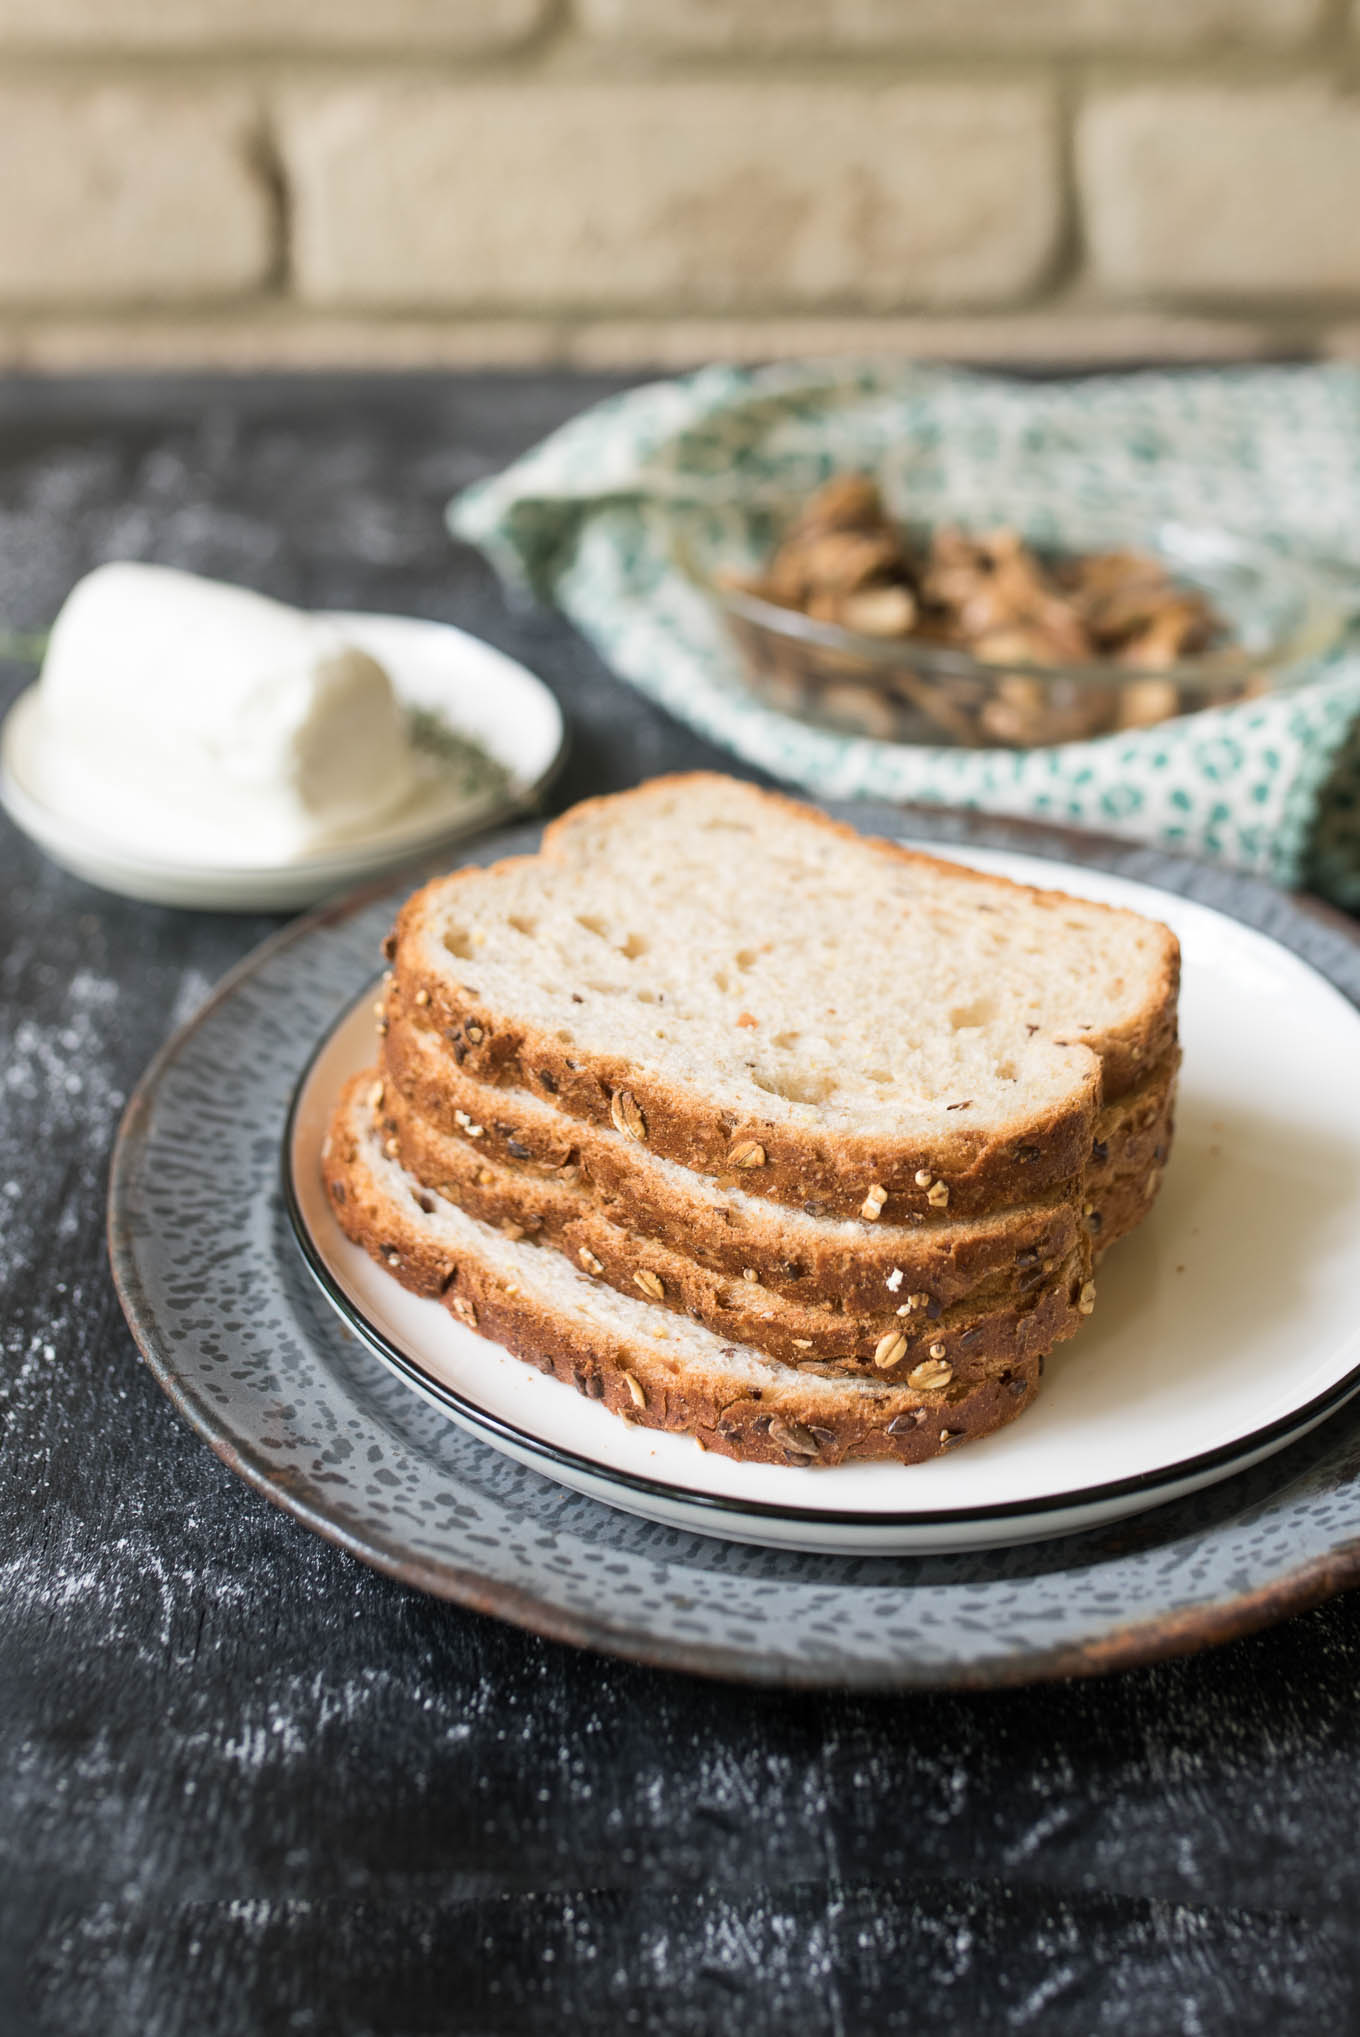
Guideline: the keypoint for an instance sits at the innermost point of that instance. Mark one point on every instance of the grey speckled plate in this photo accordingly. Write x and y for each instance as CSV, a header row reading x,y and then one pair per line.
x,y
232,1326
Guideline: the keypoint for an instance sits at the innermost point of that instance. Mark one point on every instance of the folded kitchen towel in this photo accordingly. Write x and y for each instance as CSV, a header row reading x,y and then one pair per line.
x,y
587,520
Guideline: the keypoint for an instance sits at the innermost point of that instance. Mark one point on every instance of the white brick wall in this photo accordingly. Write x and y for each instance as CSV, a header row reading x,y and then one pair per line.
x,y
963,25
209,25
1216,193
120,194
673,197
653,181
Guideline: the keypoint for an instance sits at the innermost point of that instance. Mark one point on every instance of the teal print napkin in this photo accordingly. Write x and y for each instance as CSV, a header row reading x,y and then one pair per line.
x,y
586,520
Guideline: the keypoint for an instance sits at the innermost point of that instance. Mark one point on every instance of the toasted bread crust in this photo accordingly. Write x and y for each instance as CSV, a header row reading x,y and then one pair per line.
x,y
969,1335
781,1423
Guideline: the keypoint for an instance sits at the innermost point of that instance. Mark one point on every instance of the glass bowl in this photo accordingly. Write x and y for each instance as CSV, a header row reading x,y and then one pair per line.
x,y
1278,618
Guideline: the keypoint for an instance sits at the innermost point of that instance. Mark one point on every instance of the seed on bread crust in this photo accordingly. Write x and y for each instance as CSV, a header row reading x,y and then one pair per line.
x,y
634,1385
747,1153
1086,1300
872,1208
464,1310
589,1261
793,1437
650,1283
623,1109
938,1197
890,1349
930,1374
924,1177
422,997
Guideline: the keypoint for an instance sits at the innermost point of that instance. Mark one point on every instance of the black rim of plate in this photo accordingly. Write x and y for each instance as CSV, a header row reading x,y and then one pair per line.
x,y
1154,1486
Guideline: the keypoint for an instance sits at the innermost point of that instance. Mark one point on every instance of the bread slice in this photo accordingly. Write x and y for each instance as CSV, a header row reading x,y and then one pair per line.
x,y
738,982
800,1253
644,1365
903,1331
1132,1147
1120,1207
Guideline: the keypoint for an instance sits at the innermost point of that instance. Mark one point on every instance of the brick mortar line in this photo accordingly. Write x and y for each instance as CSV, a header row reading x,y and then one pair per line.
x,y
1334,30
561,61
283,311
54,350
267,168
1232,69
1070,260
1065,297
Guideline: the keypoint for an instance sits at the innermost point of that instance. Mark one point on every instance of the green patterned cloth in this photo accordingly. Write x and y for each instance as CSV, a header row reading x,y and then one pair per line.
x,y
586,520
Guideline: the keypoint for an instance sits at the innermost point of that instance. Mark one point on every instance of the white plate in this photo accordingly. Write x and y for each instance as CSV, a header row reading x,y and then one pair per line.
x,y
1226,1326
474,690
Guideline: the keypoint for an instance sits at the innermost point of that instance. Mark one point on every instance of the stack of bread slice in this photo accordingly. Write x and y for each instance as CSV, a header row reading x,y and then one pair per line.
x,y
748,1126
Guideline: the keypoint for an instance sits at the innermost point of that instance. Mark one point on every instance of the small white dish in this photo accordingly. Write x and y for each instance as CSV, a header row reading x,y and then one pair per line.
x,y
446,676
1226,1327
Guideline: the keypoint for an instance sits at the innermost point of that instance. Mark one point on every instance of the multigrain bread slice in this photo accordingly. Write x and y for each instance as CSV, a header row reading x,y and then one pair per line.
x,y
645,1366
805,1254
435,1109
905,1334
1132,1147
1123,1204
738,982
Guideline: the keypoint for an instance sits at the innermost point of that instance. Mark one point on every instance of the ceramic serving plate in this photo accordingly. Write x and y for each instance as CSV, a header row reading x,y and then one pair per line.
x,y
254,1355
454,682
1225,1326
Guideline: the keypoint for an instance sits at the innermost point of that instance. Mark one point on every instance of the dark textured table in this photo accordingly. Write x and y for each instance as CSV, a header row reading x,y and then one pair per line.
x,y
248,1786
